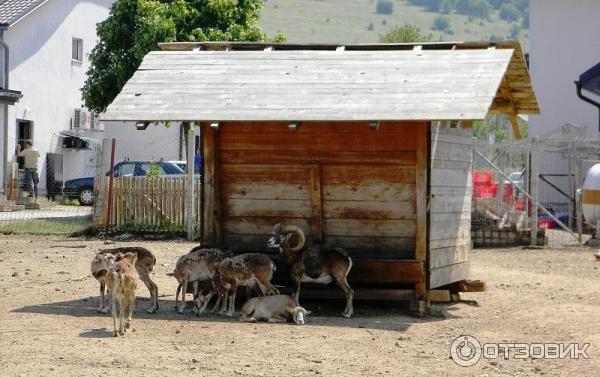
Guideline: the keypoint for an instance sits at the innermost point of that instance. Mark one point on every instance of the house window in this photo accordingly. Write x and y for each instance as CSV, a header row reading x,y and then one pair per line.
x,y
77,50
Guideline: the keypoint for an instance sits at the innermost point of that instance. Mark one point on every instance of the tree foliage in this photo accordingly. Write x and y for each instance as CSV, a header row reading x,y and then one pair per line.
x,y
405,34
384,7
135,27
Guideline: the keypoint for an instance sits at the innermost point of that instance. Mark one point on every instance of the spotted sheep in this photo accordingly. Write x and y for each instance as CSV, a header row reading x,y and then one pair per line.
x,y
144,266
198,265
251,270
313,265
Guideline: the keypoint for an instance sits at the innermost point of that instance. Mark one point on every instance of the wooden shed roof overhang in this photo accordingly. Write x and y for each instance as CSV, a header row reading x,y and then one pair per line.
x,y
226,81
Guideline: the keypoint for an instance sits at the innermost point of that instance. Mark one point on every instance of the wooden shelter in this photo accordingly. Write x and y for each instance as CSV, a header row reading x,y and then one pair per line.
x,y
367,147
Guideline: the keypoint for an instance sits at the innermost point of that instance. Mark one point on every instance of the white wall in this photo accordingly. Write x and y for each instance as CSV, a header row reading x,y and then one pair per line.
x,y
42,69
152,144
565,42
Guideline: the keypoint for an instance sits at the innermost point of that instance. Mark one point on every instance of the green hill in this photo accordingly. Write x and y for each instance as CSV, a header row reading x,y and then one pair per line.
x,y
357,21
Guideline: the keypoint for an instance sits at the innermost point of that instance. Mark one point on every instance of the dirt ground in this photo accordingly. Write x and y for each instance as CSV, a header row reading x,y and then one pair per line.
x,y
49,324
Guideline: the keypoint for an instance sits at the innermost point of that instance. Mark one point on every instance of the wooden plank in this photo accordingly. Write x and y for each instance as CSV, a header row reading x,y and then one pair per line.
x,y
265,173
369,228
451,178
421,204
439,230
370,294
370,191
239,189
405,158
210,187
373,174
357,247
448,256
439,277
387,272
446,151
450,204
261,225
316,202
369,209
449,242
233,207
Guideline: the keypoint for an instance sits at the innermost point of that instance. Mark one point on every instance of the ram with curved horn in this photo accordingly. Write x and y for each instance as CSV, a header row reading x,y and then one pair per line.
x,y
313,265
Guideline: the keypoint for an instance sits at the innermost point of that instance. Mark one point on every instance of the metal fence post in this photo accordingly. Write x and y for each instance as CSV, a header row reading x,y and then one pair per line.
x,y
534,184
189,205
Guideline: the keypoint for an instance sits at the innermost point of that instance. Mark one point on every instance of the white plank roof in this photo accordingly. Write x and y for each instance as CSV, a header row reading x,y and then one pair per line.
x,y
313,85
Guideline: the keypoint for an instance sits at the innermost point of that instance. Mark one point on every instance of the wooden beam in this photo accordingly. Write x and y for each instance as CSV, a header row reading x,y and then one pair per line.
x,y
211,236
316,201
514,122
370,294
471,286
386,271
421,203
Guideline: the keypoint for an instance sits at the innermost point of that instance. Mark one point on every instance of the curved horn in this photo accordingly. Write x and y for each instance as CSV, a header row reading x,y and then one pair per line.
x,y
299,233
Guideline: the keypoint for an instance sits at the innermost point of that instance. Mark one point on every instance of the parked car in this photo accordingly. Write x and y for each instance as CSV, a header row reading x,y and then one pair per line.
x,y
82,189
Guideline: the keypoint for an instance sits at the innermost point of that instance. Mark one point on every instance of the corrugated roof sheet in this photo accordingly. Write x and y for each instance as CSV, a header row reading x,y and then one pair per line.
x,y
13,10
320,85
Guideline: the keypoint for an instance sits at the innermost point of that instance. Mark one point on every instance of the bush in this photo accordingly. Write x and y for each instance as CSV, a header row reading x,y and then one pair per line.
x,y
385,7
370,27
476,8
441,23
515,30
405,34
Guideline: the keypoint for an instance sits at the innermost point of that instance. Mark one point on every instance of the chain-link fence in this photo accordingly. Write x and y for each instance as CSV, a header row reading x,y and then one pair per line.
x,y
33,200
509,178
148,193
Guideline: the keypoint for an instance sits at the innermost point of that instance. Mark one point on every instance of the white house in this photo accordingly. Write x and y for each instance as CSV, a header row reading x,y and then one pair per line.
x,y
564,43
47,43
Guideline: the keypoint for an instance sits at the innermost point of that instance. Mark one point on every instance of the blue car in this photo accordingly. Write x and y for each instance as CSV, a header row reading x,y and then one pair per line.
x,y
82,189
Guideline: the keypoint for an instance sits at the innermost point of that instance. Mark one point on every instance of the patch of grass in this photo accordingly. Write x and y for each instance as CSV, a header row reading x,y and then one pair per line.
x,y
348,20
37,226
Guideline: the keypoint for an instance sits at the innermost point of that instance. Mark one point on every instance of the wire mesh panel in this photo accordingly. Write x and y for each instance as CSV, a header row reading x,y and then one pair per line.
x,y
148,192
37,198
511,177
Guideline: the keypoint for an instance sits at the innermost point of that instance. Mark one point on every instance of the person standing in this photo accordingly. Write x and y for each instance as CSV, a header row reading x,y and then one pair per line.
x,y
31,157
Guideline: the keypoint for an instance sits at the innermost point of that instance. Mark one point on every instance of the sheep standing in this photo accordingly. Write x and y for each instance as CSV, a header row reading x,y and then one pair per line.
x,y
121,282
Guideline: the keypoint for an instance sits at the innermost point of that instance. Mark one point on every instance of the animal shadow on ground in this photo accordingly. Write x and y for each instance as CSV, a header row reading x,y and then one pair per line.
x,y
381,315
97,333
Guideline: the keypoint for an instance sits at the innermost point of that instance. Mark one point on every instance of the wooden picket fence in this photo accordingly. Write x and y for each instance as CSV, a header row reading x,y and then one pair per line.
x,y
156,203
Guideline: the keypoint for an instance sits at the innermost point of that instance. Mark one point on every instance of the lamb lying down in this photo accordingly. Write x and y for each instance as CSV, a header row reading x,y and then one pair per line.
x,y
276,308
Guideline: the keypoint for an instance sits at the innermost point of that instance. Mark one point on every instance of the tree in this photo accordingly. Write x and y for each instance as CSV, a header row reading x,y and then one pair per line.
x,y
476,8
405,34
135,27
441,23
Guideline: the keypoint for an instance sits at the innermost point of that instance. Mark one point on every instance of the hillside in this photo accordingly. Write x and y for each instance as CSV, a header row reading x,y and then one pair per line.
x,y
356,21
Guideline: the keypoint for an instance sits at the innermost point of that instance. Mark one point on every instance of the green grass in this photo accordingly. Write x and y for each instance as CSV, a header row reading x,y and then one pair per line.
x,y
347,21
43,226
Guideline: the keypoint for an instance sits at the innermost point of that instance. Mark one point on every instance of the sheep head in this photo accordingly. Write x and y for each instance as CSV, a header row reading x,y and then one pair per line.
x,y
282,236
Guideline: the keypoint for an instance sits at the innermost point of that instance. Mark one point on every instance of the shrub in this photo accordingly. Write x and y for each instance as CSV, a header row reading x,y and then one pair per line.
x,y
441,23
405,34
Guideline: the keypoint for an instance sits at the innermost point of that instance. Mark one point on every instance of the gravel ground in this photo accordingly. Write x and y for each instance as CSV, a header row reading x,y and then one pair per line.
x,y
49,324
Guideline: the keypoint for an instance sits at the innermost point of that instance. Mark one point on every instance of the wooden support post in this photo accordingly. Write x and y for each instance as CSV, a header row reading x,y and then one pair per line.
x,y
211,234
317,202
533,187
514,122
578,211
189,202
421,201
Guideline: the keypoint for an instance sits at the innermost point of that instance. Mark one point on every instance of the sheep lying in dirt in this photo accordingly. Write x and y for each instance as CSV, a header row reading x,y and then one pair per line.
x,y
277,308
